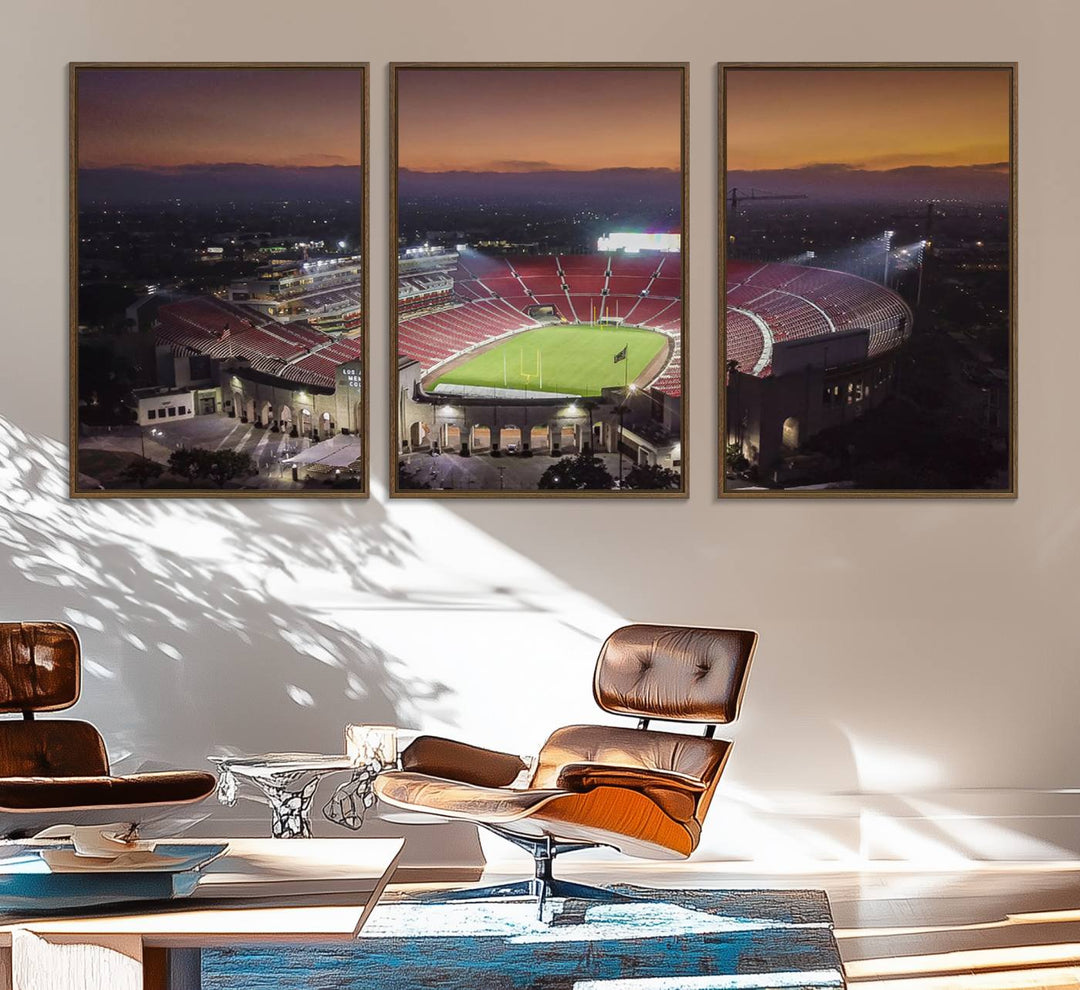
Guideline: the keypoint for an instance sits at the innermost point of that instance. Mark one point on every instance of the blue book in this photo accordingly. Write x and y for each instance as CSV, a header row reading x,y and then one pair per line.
x,y
44,880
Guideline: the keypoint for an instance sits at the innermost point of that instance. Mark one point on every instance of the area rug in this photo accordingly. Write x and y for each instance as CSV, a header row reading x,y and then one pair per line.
x,y
660,940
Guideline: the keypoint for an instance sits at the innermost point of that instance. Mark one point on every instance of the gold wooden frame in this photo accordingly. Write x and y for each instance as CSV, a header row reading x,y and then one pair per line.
x,y
684,489
73,292
722,491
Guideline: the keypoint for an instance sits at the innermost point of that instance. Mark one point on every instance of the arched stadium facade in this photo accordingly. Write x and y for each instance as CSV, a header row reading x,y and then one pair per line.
x,y
471,376
284,375
806,349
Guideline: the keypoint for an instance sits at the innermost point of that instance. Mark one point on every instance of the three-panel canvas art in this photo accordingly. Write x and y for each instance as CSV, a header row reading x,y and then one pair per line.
x,y
539,331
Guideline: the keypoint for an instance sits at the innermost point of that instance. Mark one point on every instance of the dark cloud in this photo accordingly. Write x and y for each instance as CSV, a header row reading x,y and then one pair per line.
x,y
834,181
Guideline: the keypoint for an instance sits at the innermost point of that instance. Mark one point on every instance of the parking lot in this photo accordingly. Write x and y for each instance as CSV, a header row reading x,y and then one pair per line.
x,y
266,448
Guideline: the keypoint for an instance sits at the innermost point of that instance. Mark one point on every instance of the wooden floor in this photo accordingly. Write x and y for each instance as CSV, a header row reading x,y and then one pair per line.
x,y
1006,926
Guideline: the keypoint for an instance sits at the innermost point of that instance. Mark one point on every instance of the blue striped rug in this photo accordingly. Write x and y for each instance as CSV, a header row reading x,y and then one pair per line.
x,y
662,940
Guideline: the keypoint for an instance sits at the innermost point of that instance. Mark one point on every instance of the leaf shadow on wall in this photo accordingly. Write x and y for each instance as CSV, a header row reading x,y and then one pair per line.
x,y
196,634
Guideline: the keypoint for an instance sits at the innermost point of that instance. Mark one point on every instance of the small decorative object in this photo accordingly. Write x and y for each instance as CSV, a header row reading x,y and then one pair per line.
x,y
868,233
372,749
539,333
288,780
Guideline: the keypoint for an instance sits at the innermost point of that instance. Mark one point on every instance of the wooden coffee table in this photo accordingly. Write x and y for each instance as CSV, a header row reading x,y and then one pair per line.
x,y
261,890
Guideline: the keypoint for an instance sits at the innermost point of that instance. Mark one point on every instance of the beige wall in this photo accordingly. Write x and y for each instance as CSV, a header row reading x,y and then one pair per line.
x,y
919,660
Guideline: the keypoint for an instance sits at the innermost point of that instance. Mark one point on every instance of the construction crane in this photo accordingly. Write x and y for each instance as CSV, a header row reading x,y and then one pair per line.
x,y
735,198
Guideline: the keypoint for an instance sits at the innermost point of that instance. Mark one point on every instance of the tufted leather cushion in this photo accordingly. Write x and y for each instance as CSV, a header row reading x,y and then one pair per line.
x,y
458,798
39,666
35,793
678,673
619,746
51,748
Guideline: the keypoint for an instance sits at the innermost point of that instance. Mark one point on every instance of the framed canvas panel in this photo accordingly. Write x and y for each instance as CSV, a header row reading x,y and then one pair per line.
x,y
218,280
538,272
868,274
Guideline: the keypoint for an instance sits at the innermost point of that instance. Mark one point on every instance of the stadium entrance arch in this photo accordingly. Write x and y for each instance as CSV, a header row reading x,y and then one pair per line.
x,y
540,438
451,436
417,435
249,410
789,434
266,414
481,438
566,439
305,422
510,435
326,426
285,419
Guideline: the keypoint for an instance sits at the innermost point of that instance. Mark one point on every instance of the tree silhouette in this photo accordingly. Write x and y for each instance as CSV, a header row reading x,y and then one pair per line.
x,y
224,465
220,466
142,470
190,463
652,476
576,474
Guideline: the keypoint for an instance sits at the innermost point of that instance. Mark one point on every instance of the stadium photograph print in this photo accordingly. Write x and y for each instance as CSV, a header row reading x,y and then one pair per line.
x,y
868,337
218,280
537,280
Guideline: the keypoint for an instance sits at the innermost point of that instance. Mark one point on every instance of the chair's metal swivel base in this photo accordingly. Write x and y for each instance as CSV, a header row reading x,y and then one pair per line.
x,y
543,884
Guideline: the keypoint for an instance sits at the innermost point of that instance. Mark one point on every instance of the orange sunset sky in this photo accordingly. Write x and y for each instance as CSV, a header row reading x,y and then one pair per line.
x,y
514,120
868,118
162,117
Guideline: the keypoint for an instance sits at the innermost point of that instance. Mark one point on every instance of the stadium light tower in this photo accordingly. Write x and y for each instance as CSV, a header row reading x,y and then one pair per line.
x,y
888,250
923,245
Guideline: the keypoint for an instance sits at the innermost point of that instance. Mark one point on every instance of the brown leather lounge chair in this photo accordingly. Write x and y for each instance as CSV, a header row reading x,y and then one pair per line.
x,y
56,771
643,792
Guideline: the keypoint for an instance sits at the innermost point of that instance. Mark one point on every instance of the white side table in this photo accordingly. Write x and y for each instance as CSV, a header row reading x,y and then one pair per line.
x,y
288,780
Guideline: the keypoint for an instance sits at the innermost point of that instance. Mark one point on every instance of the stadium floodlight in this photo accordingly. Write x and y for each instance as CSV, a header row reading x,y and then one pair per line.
x,y
341,244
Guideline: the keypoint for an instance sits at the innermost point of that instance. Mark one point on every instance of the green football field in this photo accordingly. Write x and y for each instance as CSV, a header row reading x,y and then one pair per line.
x,y
578,360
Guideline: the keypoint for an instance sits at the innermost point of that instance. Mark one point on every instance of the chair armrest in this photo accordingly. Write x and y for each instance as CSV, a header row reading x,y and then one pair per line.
x,y
585,776
675,793
453,760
